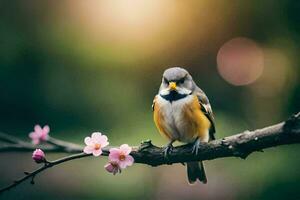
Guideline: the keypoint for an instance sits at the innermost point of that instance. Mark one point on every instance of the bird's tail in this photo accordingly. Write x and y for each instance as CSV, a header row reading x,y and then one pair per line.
x,y
195,170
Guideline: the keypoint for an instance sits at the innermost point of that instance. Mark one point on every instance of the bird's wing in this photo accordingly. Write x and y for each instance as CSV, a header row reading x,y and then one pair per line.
x,y
153,103
206,109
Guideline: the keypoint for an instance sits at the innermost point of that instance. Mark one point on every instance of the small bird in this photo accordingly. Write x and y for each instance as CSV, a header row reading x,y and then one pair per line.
x,y
182,112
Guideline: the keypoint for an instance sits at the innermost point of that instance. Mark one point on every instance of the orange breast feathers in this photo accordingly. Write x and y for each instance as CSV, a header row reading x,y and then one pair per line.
x,y
159,120
198,124
191,123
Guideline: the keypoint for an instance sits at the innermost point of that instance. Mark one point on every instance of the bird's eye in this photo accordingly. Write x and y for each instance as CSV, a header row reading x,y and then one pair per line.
x,y
166,81
181,81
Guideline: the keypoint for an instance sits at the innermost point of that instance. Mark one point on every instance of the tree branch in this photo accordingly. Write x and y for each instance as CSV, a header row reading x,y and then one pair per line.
x,y
239,145
52,145
46,165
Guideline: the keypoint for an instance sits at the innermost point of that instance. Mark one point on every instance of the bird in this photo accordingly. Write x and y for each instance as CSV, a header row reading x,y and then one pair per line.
x,y
182,112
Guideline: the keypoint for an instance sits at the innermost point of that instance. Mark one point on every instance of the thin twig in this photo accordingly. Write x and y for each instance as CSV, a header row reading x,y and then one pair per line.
x,y
11,139
41,169
66,146
30,148
51,145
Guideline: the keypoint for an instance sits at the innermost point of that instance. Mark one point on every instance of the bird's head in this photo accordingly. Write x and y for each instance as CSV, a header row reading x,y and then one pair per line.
x,y
176,80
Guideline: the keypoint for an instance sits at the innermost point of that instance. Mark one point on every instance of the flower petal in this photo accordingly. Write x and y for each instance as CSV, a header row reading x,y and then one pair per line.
x,y
97,152
44,136
96,136
88,141
114,154
37,128
33,135
103,140
123,164
126,149
114,150
104,144
46,129
88,149
129,160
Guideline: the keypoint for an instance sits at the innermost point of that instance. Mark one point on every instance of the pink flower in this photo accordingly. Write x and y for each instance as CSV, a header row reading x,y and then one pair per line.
x,y
39,134
113,167
38,156
95,144
121,156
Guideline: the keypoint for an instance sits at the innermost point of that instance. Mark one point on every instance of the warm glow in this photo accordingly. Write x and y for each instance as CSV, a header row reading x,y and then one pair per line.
x,y
130,19
126,31
240,61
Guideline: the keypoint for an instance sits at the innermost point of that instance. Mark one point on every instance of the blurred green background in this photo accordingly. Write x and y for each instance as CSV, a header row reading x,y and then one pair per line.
x,y
84,66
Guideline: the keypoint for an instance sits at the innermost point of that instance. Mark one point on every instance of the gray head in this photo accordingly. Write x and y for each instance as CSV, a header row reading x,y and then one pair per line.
x,y
176,80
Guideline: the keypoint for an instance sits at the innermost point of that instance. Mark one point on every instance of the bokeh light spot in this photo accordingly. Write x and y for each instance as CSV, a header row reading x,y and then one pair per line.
x,y
277,77
240,61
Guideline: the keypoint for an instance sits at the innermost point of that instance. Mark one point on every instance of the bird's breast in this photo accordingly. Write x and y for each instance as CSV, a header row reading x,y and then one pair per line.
x,y
178,119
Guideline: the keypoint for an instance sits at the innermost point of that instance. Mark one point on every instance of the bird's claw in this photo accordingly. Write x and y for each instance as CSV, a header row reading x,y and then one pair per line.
x,y
196,147
167,150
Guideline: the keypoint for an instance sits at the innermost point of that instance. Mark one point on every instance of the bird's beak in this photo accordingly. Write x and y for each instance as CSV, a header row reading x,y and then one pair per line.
x,y
172,86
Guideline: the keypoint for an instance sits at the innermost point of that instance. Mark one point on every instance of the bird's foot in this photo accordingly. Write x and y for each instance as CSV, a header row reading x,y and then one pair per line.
x,y
196,146
167,150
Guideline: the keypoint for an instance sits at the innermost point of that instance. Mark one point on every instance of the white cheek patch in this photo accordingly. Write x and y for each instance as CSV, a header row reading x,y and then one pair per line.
x,y
180,90
164,92
183,91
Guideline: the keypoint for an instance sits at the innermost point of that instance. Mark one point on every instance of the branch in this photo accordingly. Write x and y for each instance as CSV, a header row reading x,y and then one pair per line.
x,y
52,145
46,165
239,145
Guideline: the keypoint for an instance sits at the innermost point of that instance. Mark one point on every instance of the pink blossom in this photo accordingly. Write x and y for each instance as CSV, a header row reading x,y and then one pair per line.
x,y
121,156
39,134
95,144
38,156
113,167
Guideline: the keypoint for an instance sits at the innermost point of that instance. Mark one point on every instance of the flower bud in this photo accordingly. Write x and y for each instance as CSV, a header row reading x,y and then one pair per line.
x,y
113,168
38,156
